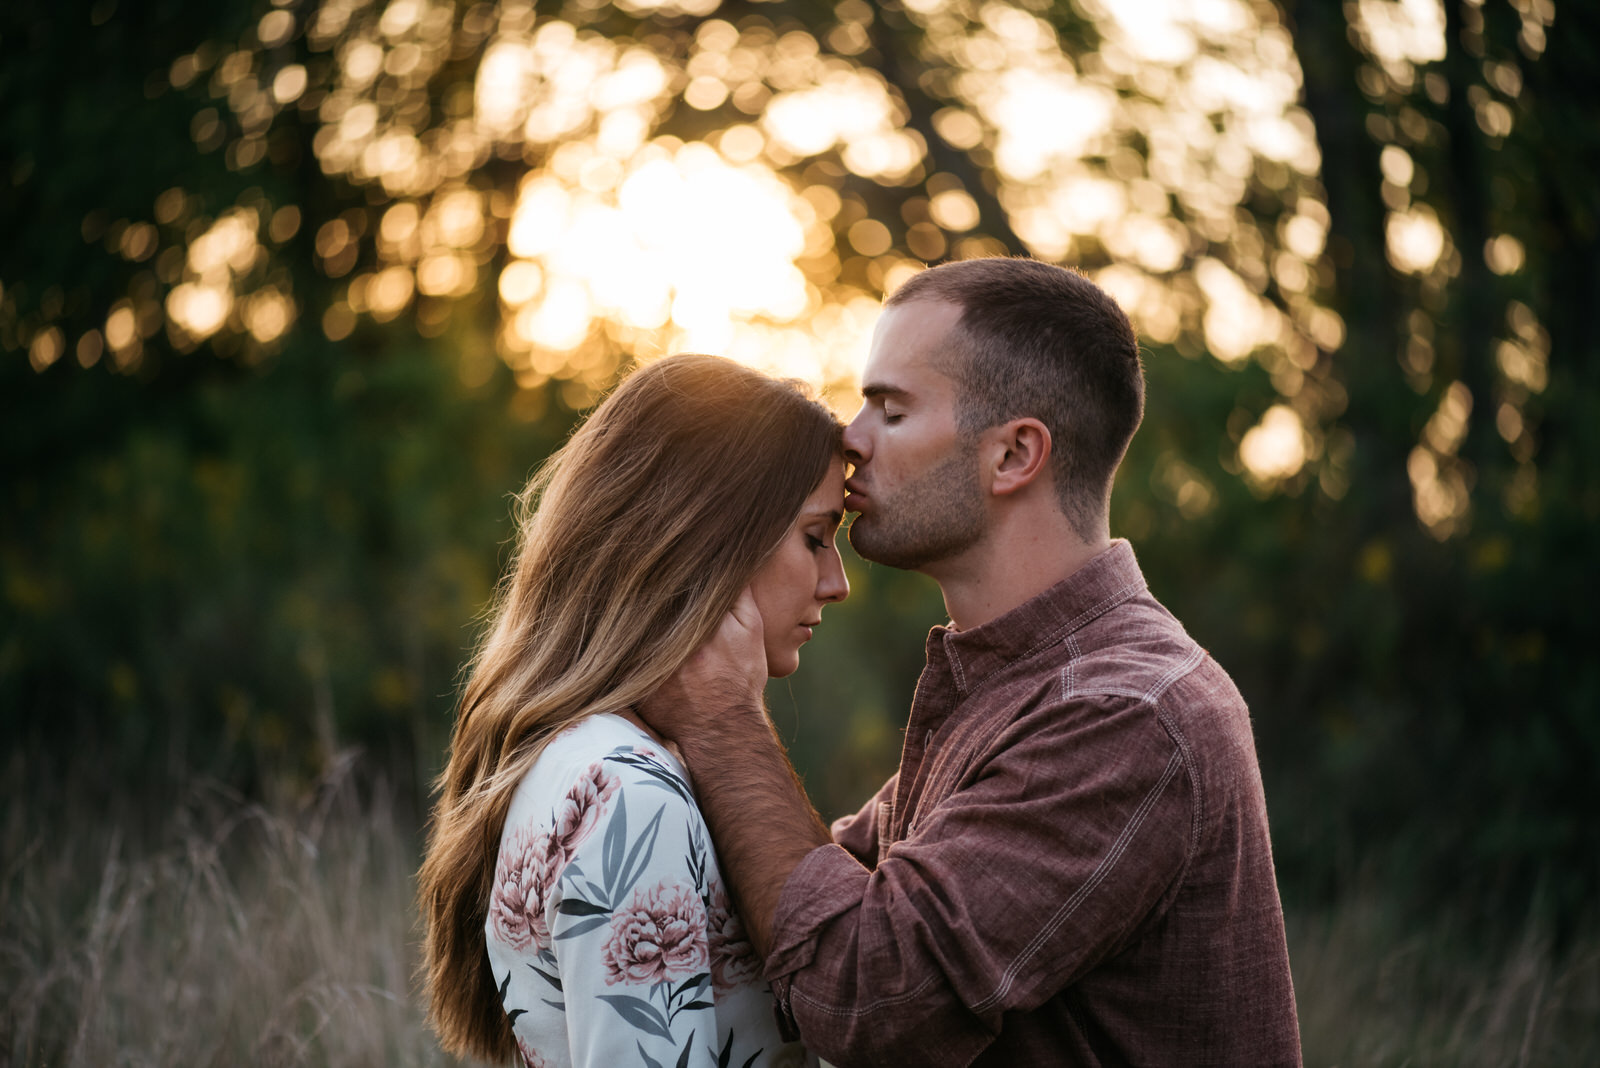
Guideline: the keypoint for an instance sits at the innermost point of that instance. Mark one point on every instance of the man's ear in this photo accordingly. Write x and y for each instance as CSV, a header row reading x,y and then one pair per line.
x,y
1017,454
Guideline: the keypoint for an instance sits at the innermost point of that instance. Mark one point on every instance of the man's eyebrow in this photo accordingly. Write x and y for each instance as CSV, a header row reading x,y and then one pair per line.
x,y
881,389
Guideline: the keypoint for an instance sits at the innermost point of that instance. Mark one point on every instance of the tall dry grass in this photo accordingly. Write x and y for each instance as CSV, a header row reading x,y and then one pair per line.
x,y
223,932
1376,989
226,934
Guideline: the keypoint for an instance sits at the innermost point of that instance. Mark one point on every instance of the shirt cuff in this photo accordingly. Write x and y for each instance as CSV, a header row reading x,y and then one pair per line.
x,y
827,883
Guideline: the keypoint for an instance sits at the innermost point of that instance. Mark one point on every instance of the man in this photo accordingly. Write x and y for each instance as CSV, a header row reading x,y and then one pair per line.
x,y
1072,865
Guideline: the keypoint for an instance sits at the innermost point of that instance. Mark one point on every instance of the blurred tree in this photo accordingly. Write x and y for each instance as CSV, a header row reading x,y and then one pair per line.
x,y
293,295
1446,676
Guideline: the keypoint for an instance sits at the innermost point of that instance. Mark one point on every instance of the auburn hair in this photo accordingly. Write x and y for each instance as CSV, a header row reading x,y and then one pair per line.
x,y
633,540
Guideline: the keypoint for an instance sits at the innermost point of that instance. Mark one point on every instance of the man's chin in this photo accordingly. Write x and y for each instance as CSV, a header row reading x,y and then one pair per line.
x,y
860,537
862,540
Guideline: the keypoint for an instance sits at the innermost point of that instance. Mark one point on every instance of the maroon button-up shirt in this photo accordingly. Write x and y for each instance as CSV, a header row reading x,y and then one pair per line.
x,y
1071,866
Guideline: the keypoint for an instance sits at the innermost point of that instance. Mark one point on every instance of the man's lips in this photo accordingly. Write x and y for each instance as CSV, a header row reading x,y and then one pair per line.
x,y
853,496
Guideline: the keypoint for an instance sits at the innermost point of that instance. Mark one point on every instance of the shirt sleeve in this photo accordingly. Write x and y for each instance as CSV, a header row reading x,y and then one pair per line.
x,y
859,833
628,921
1055,848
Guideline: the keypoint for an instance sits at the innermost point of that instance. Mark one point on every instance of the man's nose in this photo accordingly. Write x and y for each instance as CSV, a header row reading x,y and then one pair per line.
x,y
857,445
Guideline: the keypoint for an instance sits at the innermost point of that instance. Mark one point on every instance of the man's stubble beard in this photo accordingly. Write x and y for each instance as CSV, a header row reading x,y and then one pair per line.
x,y
934,517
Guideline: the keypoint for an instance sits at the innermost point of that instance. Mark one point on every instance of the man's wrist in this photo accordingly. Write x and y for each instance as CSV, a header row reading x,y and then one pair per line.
x,y
740,726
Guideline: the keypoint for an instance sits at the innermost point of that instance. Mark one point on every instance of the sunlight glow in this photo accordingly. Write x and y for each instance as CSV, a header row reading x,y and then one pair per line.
x,y
199,309
1504,254
1275,448
1439,480
1448,428
848,107
1157,245
46,348
1237,321
1159,26
1045,116
1415,239
1403,31
690,251
229,245
1144,158
1438,491
388,292
1145,300
1524,358
267,314
121,327
1145,152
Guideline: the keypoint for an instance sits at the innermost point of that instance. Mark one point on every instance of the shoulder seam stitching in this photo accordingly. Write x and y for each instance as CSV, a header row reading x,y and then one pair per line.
x,y
1118,848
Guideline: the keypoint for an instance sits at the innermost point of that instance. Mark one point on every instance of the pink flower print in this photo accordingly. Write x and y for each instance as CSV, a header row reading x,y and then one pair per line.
x,y
527,870
581,809
733,958
660,935
530,1056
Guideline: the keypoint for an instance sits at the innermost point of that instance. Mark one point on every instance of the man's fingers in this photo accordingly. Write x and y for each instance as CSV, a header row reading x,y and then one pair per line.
x,y
727,672
737,649
744,611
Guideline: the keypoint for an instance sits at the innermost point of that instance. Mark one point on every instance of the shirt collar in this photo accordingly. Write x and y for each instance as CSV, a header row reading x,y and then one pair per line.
x,y
1106,581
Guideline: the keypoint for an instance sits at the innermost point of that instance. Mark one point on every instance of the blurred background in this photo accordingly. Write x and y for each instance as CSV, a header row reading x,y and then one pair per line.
x,y
295,295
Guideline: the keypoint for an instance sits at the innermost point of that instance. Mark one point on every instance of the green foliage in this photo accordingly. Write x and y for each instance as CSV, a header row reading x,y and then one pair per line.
x,y
244,552
243,571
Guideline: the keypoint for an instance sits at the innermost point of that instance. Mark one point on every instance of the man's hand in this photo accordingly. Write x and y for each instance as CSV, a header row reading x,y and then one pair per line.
x,y
758,812
725,675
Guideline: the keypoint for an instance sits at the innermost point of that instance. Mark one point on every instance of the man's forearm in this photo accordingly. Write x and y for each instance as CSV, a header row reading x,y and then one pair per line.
x,y
758,812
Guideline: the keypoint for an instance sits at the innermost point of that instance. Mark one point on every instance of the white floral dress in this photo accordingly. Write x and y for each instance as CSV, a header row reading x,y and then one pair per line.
x,y
610,935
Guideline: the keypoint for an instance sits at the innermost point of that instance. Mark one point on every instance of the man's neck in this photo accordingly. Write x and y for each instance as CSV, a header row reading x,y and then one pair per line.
x,y
1014,563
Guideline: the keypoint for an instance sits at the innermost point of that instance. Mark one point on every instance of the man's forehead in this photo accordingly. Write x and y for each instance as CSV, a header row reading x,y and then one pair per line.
x,y
910,339
921,317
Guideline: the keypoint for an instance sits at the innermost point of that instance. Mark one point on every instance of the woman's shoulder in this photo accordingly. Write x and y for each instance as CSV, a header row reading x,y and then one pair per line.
x,y
600,755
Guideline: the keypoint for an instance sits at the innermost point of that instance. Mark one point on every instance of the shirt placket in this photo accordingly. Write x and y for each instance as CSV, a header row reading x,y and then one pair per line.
x,y
935,699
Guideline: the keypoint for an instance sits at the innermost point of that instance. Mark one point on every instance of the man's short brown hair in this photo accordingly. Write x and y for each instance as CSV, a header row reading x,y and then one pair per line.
x,y
1042,341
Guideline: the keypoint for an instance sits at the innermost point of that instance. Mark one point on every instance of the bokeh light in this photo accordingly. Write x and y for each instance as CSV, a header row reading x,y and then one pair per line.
x,y
707,178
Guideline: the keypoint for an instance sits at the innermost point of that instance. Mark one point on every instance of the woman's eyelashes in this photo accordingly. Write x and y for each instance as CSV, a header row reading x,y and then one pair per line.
x,y
822,539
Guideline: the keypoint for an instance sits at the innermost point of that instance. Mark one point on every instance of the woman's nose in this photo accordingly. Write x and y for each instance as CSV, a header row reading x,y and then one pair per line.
x,y
832,585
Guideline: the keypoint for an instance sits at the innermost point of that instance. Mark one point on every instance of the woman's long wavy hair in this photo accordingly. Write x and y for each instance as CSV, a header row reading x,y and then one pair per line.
x,y
634,540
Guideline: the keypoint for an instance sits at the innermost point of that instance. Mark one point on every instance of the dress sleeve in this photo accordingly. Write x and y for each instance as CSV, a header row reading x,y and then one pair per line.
x,y
628,919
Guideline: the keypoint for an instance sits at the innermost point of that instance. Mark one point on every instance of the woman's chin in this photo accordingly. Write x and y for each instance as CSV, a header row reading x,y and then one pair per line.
x,y
781,667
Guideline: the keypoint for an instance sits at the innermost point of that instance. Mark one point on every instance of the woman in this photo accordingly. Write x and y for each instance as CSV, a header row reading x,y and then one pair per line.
x,y
575,913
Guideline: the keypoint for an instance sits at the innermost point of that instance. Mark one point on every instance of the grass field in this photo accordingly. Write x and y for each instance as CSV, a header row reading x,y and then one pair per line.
x,y
218,932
